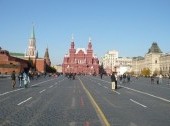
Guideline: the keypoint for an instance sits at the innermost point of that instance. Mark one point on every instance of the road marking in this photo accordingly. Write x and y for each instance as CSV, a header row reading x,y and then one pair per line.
x,y
138,103
116,92
99,84
108,88
163,99
41,82
11,91
24,101
42,91
113,105
99,112
51,86
105,87
73,103
24,88
160,98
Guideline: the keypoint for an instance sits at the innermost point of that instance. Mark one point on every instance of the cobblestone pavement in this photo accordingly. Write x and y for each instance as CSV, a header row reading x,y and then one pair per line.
x,y
85,101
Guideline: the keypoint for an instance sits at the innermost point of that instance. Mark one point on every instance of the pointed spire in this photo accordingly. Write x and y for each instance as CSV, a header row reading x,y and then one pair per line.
x,y
72,38
89,39
33,33
72,42
89,45
46,53
46,57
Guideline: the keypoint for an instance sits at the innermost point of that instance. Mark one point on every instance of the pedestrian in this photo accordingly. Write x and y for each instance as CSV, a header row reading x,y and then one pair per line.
x,y
160,79
101,75
120,78
114,81
124,77
13,78
152,79
128,78
26,79
20,78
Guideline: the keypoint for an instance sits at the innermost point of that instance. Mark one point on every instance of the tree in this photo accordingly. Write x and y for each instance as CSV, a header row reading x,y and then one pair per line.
x,y
145,72
50,69
101,69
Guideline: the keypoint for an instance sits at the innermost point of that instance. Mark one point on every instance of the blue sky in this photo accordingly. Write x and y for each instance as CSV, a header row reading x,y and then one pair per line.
x,y
128,26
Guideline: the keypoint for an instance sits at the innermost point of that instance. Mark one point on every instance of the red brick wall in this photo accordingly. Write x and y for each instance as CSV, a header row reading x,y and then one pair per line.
x,y
9,64
40,65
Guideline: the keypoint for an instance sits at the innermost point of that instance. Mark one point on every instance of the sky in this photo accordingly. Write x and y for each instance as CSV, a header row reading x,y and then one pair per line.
x,y
127,26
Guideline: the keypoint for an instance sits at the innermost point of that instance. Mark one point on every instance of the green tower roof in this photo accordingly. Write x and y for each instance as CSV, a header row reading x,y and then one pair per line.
x,y
154,48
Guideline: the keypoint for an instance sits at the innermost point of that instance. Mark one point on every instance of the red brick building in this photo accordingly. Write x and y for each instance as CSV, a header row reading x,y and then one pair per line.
x,y
80,60
9,63
30,60
32,54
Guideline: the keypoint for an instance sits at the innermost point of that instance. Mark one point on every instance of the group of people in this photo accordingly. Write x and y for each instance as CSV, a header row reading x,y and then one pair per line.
x,y
23,79
158,80
122,79
70,76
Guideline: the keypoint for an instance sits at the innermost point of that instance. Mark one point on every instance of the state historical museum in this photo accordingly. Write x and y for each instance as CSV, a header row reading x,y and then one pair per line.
x,y
80,60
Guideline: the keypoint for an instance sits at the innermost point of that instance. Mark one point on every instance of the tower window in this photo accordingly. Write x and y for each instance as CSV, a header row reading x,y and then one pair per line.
x,y
156,61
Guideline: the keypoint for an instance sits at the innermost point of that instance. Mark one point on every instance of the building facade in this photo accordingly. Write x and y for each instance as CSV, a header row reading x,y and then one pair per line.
x,y
113,63
31,54
8,63
154,60
29,60
165,64
80,60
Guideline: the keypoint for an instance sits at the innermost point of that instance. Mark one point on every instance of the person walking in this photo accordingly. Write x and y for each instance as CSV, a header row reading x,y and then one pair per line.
x,y
160,79
101,75
128,78
13,78
20,77
152,79
114,81
26,79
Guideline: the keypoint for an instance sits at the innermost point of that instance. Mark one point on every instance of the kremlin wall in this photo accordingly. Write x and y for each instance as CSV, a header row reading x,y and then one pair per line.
x,y
29,61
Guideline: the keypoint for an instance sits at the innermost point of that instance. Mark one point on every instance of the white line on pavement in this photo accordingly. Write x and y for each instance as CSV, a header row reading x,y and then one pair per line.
x,y
42,91
116,92
42,82
10,91
163,99
160,98
138,103
73,103
51,86
99,84
23,88
105,87
24,101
